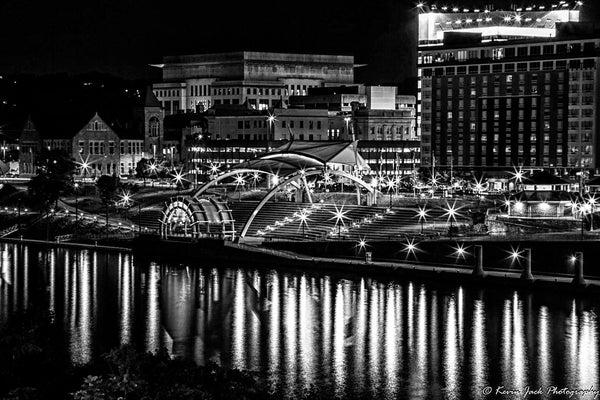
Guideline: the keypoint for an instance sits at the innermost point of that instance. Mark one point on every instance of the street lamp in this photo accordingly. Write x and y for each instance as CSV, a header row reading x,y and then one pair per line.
x,y
239,181
339,215
347,121
507,204
271,119
303,220
127,200
76,186
422,214
178,178
451,212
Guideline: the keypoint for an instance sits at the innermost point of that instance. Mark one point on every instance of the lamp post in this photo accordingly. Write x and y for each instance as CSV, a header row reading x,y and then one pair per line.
x,y
347,121
76,186
422,214
271,119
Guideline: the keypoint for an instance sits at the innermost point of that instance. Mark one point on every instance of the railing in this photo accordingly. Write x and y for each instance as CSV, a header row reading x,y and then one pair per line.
x,y
9,230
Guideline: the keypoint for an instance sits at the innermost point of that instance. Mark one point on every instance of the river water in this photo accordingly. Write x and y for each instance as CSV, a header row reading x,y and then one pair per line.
x,y
345,334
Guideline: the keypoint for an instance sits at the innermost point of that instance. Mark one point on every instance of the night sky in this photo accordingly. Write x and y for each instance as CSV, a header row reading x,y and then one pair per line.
x,y
122,37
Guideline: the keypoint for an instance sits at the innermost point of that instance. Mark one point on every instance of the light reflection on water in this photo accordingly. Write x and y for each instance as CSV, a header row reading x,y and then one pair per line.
x,y
345,335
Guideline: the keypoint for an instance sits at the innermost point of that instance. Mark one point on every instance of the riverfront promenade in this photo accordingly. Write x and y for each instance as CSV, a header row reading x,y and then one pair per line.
x,y
463,274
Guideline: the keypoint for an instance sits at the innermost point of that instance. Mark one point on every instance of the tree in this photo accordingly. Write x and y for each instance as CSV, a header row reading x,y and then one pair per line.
x,y
141,169
54,178
108,186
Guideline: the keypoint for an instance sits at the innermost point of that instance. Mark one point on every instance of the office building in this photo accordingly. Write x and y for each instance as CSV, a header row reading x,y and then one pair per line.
x,y
262,80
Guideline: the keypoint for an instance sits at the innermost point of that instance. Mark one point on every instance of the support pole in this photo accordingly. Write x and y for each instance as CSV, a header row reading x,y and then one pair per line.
x,y
305,184
478,270
578,279
526,274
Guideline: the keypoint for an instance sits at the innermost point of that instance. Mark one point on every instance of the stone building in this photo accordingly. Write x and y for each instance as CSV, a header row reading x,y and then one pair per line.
x,y
109,141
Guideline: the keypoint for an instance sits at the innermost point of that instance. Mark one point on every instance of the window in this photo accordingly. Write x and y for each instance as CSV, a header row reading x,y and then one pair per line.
x,y
154,126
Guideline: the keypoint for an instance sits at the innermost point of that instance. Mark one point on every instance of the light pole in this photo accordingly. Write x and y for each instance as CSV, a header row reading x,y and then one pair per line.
x,y
451,212
422,214
347,121
76,186
271,119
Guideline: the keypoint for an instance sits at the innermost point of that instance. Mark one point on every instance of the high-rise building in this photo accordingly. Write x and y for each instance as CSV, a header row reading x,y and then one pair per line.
x,y
499,88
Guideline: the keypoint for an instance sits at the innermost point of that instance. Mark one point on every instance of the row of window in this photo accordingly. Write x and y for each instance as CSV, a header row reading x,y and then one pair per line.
x,y
97,147
292,124
199,90
500,53
167,93
205,90
510,67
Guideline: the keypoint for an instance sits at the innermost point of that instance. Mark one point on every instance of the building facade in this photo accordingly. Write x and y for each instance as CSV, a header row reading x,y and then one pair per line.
x,y
262,80
499,89
100,143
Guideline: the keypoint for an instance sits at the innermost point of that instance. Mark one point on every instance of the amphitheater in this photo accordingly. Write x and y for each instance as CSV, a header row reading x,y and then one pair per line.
x,y
300,191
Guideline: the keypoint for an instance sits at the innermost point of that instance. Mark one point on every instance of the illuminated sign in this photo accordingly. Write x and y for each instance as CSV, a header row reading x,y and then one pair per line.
x,y
433,25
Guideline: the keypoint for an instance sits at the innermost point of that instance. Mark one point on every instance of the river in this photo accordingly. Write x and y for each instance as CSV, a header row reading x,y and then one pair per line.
x,y
367,336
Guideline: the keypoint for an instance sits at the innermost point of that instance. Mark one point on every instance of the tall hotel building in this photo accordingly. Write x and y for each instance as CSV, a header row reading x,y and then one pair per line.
x,y
503,88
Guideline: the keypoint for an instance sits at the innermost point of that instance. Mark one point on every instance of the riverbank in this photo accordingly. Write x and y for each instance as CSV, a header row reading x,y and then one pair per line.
x,y
326,257
226,253
47,243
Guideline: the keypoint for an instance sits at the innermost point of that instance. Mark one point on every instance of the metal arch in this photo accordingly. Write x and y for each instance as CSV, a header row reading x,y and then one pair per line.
x,y
182,204
292,178
232,172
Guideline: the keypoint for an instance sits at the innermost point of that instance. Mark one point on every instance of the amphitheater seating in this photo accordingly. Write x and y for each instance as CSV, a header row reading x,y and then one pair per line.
x,y
281,220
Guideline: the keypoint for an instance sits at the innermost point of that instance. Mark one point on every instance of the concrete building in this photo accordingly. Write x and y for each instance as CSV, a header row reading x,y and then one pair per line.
x,y
263,80
503,88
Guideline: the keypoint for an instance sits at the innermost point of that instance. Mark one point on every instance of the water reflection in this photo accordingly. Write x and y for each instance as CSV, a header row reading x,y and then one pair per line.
x,y
345,335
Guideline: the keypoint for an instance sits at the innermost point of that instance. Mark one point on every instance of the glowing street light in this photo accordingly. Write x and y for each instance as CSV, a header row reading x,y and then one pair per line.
x,y
255,179
152,168
214,169
410,247
361,244
515,254
518,174
303,218
451,212
339,215
271,120
125,198
460,251
479,185
178,177
422,214
507,203
83,165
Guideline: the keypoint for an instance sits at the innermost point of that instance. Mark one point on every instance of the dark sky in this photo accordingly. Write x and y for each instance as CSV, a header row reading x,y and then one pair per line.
x,y
123,36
